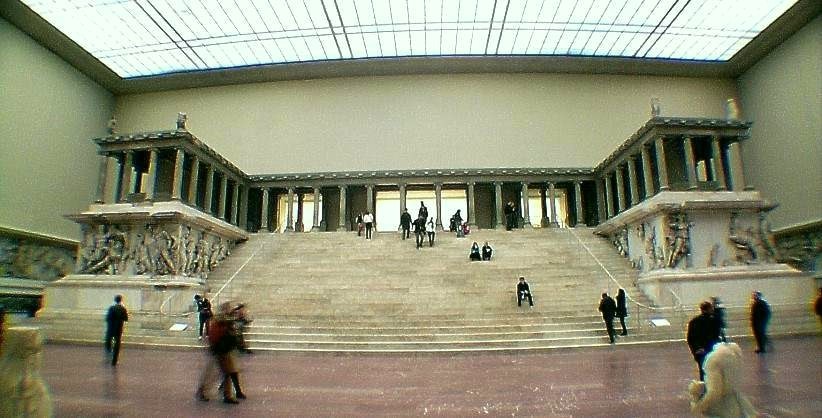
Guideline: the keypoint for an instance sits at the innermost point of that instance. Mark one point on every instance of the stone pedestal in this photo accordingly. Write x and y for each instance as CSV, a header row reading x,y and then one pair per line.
x,y
156,254
85,293
689,246
777,282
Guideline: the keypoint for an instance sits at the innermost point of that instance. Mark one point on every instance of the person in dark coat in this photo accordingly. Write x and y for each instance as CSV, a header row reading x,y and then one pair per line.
x,y
487,251
510,212
760,315
524,291
622,310
423,212
116,316
456,220
703,333
419,231
405,223
608,308
204,313
474,255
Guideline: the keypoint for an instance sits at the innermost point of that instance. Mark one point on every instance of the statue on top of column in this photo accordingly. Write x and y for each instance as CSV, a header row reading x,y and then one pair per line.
x,y
655,107
112,126
182,121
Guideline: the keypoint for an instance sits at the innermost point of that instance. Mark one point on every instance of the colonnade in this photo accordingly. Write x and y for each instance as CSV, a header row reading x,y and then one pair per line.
x,y
173,174
669,163
548,196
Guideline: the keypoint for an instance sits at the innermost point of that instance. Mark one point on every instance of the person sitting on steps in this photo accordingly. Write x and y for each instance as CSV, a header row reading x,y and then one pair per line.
x,y
475,252
524,291
486,252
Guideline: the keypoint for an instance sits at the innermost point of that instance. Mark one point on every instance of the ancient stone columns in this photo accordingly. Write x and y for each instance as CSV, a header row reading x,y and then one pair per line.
x,y
472,205
526,206
315,227
343,223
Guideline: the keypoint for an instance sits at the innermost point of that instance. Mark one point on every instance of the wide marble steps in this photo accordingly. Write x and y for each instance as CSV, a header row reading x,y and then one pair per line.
x,y
337,292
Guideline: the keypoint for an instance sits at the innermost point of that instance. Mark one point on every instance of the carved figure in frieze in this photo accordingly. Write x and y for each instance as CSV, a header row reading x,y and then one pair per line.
x,y
142,259
191,254
649,244
620,241
166,243
713,256
677,240
108,254
179,249
766,240
91,251
203,257
743,241
745,248
219,253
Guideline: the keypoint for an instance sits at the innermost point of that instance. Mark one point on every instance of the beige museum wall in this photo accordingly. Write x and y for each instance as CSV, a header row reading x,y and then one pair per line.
x,y
782,95
48,113
425,121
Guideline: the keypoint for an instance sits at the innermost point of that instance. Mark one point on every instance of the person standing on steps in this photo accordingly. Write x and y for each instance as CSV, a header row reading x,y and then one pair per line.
x,y
360,224
423,212
368,219
116,317
608,308
622,309
419,231
431,230
405,224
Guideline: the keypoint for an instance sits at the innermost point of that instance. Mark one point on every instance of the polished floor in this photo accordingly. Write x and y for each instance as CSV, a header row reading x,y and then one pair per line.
x,y
617,381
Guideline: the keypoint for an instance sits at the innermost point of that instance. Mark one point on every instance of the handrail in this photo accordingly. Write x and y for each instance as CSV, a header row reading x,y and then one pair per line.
x,y
611,276
216,295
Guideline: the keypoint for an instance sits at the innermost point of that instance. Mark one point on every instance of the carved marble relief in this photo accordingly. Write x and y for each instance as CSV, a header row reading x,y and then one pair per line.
x,y
752,242
31,259
154,250
677,239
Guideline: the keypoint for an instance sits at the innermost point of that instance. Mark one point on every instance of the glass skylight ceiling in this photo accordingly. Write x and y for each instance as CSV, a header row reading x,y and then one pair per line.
x,y
149,37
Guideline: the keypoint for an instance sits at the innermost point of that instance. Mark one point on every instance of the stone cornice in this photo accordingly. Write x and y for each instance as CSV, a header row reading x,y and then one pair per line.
x,y
668,202
426,176
679,126
37,237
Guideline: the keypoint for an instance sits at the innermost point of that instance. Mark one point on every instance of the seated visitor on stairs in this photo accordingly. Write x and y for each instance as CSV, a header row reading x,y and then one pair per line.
x,y
474,255
486,252
524,291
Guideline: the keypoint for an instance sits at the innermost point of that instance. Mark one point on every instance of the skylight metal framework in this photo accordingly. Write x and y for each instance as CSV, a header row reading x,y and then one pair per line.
x,y
137,38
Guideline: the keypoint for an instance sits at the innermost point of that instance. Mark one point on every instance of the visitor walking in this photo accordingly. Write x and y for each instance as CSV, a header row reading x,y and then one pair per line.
x,y
608,308
702,334
405,224
622,309
368,219
116,317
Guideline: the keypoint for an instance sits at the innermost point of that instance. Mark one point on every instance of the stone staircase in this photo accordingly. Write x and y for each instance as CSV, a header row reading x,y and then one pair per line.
x,y
338,292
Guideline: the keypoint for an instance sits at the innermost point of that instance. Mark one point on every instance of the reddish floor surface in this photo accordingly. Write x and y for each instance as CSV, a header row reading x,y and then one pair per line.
x,y
618,381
